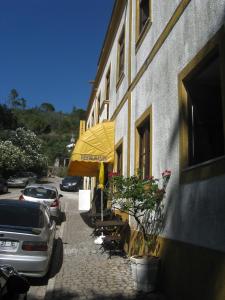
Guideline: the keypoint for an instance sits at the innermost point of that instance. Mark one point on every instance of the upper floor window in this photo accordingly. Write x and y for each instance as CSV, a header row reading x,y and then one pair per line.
x,y
121,54
143,20
93,119
107,85
144,8
98,106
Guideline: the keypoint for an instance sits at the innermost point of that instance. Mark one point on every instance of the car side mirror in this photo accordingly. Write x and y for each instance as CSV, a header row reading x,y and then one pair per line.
x,y
60,195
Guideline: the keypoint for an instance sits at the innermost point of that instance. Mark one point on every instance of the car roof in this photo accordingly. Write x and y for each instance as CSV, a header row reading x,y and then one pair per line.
x,y
16,203
45,186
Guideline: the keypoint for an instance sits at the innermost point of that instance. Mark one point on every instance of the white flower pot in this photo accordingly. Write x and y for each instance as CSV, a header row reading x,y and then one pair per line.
x,y
145,270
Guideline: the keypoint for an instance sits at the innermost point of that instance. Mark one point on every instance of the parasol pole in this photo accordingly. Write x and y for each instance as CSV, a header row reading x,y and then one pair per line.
x,y
99,240
101,186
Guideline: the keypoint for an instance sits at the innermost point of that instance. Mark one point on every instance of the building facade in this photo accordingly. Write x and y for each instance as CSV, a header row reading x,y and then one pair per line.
x,y
161,78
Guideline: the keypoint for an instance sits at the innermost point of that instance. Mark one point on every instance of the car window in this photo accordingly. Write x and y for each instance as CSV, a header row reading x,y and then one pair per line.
x,y
40,193
21,216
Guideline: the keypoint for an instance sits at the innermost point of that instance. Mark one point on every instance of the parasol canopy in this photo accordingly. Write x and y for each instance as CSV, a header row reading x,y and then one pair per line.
x,y
94,146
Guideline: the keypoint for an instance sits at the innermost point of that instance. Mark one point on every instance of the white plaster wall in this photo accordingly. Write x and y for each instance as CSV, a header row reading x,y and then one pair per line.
x,y
116,95
161,13
195,211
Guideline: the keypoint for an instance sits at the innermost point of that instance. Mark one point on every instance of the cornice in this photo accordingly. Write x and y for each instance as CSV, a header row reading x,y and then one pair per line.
x,y
107,46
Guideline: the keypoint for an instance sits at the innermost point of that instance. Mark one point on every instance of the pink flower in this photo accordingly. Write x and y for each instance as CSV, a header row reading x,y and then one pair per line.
x,y
166,173
112,174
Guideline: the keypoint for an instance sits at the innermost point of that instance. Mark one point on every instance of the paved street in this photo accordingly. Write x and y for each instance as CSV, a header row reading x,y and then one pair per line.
x,y
80,270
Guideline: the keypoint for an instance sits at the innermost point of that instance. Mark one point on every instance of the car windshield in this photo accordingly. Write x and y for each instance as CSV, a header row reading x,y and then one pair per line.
x,y
40,193
21,216
71,179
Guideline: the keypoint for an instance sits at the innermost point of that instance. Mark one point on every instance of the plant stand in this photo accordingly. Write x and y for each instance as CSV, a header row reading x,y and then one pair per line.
x,y
145,270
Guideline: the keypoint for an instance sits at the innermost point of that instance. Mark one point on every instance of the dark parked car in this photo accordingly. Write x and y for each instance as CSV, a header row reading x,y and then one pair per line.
x,y
3,185
12,285
71,183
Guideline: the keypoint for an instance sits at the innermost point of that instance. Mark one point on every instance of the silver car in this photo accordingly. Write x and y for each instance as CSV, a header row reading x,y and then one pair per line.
x,y
21,179
45,194
27,236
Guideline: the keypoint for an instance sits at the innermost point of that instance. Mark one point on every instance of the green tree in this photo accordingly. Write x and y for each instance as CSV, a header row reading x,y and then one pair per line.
x,y
47,107
21,151
15,102
8,120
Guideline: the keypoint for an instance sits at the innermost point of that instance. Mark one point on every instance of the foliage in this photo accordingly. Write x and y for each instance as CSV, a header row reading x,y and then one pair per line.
x,y
21,151
8,120
141,199
54,129
12,158
45,106
16,102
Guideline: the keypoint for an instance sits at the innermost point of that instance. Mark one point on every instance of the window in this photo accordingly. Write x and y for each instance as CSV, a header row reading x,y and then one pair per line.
x,y
107,89
92,119
205,119
98,107
143,20
119,155
144,149
144,9
121,50
202,97
107,85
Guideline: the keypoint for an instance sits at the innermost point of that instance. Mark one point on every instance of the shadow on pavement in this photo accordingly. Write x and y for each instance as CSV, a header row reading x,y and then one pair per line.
x,y
57,258
61,294
86,218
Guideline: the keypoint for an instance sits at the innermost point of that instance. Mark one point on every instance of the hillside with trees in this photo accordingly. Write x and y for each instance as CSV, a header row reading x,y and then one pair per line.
x,y
52,130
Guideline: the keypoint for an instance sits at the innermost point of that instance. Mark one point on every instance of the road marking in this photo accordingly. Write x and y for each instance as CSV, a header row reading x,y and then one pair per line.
x,y
51,281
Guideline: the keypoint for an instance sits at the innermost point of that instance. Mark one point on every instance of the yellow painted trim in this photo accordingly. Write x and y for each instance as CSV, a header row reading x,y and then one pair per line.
x,y
108,73
160,41
216,166
120,81
130,43
107,45
129,95
119,76
118,144
128,135
138,123
191,271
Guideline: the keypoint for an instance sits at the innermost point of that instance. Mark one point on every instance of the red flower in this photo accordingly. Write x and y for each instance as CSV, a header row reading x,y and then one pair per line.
x,y
112,174
166,173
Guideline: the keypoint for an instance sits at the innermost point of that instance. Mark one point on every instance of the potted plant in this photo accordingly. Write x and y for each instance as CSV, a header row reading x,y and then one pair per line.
x,y
142,199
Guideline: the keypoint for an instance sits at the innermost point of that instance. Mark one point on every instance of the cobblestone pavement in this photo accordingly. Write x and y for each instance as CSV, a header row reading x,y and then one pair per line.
x,y
86,272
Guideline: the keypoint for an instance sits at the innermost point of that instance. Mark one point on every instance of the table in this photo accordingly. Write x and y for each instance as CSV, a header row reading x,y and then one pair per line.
x,y
109,223
108,226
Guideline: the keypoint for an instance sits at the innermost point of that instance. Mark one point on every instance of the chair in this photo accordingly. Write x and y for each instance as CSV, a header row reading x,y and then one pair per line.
x,y
114,242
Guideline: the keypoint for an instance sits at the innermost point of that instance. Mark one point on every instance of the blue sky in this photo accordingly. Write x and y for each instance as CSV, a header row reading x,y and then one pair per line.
x,y
50,49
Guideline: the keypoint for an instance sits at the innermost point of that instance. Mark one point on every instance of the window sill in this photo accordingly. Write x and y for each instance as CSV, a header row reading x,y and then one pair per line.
x,y
203,171
120,81
143,34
